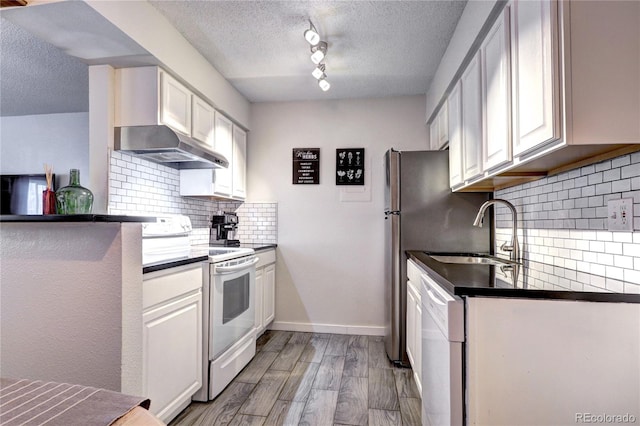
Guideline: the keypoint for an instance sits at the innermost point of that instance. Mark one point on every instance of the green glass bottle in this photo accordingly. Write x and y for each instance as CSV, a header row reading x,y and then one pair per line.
x,y
73,198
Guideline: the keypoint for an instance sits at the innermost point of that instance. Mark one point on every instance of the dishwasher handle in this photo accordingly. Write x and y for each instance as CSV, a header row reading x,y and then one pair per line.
x,y
434,292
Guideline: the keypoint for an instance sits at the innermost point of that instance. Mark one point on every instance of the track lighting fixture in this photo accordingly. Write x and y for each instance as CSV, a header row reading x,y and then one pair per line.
x,y
318,53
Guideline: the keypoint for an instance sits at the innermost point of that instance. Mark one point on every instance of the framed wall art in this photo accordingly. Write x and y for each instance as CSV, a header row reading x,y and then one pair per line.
x,y
306,166
350,166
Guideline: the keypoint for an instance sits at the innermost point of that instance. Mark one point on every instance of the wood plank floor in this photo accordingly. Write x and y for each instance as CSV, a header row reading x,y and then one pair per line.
x,y
313,379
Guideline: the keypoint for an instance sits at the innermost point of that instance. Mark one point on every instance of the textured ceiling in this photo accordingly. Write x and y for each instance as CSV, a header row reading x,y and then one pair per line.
x,y
376,48
37,77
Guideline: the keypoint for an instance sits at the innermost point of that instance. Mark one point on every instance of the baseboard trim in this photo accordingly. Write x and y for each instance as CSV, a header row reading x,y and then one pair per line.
x,y
327,328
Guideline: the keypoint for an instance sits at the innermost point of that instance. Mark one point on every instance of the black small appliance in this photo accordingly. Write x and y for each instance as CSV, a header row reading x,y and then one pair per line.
x,y
223,230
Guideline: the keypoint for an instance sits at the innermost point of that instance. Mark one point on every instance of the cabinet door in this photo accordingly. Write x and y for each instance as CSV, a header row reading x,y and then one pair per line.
x,y
417,369
224,145
472,120
411,325
496,94
175,108
443,126
172,354
454,108
433,134
535,77
203,124
269,297
239,163
259,297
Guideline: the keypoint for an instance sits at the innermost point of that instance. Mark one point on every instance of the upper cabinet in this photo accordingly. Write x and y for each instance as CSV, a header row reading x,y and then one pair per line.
x,y
224,145
150,96
535,78
230,183
471,120
175,104
496,94
559,89
439,129
203,121
239,163
454,107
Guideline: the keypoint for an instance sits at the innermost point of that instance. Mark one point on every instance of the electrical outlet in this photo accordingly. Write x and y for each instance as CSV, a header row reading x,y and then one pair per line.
x,y
620,214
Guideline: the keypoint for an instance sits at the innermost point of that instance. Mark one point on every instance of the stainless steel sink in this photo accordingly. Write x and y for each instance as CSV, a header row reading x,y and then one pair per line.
x,y
473,259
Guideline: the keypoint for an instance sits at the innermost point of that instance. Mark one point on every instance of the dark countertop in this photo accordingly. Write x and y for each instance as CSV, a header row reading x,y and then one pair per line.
x,y
75,218
532,280
199,253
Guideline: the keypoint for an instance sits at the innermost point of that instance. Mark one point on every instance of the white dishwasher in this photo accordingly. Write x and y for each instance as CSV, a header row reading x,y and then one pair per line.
x,y
442,355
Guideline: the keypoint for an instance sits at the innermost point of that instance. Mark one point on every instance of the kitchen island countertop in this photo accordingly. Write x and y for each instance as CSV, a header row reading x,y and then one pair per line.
x,y
531,280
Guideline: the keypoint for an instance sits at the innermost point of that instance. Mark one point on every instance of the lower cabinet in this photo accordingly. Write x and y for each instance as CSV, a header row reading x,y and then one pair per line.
x,y
265,290
414,323
172,338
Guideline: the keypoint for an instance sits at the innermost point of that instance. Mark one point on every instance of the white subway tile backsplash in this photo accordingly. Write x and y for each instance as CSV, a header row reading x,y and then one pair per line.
x,y
138,187
563,221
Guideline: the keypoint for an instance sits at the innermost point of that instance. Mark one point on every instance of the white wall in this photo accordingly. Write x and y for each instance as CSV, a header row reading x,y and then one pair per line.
x,y
330,267
29,141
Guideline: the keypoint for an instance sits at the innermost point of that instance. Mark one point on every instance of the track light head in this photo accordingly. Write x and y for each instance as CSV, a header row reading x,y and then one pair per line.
x,y
324,84
318,72
312,37
318,52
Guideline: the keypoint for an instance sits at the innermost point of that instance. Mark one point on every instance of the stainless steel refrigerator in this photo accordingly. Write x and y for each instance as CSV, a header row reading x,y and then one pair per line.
x,y
421,213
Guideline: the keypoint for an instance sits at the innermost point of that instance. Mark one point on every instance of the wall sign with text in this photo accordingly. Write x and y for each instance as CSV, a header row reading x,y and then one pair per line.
x,y
350,166
306,166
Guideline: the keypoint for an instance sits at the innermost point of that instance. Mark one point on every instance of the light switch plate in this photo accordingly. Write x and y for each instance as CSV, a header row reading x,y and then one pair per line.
x,y
620,214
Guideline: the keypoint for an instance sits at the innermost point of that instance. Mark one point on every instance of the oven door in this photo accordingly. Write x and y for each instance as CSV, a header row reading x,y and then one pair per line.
x,y
232,303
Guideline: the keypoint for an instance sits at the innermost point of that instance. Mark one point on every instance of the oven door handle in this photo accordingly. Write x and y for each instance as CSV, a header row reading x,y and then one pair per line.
x,y
234,268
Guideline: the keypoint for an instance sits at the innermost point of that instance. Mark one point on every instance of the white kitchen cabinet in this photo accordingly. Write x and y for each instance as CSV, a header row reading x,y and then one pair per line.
x,y
443,126
454,106
172,338
175,107
203,121
567,108
496,94
439,129
536,89
239,163
224,145
148,96
433,134
229,183
472,119
265,290
414,323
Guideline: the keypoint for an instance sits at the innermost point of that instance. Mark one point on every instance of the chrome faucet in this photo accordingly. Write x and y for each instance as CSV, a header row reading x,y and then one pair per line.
x,y
513,248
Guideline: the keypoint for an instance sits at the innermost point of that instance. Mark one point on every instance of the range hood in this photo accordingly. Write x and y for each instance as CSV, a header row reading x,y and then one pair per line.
x,y
163,145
